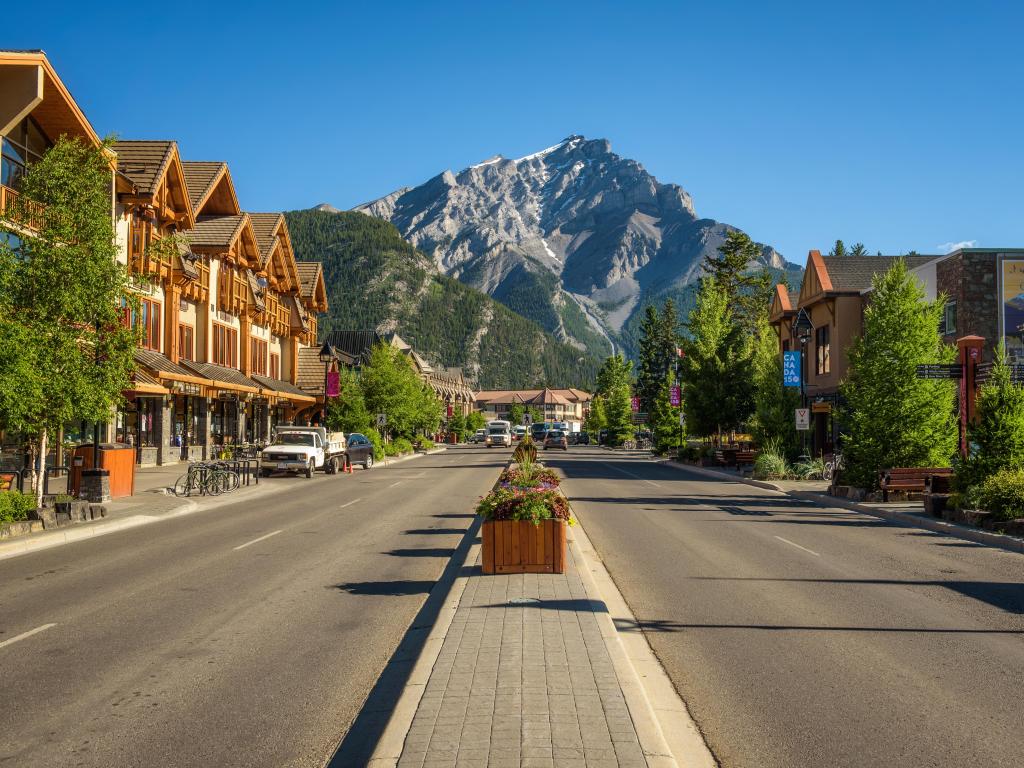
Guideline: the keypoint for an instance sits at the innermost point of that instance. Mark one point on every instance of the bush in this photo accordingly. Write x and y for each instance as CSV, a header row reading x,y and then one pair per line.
x,y
1002,494
529,475
397,447
526,451
378,445
15,506
811,469
531,504
424,443
689,453
770,464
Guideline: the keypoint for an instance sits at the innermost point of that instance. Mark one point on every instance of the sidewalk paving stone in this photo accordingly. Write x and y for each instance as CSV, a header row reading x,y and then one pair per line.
x,y
524,679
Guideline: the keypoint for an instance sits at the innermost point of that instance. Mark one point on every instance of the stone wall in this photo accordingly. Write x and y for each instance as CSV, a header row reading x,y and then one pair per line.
x,y
970,280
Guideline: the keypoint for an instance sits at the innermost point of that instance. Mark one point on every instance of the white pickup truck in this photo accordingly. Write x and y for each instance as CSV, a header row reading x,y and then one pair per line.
x,y
304,449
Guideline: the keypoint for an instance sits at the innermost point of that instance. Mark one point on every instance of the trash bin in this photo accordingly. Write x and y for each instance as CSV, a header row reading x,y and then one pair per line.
x,y
117,458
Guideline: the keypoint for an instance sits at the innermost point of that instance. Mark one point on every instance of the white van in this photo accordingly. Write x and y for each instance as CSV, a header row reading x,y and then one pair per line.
x,y
499,432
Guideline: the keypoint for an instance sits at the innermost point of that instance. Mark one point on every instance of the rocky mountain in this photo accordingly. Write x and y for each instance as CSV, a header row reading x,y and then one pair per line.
x,y
376,280
574,237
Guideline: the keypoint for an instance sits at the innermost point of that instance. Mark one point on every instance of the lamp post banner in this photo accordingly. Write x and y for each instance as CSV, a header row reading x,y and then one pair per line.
x,y
333,384
791,369
675,396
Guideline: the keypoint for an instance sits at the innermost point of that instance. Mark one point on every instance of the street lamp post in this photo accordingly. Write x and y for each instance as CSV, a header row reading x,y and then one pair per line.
x,y
327,354
802,328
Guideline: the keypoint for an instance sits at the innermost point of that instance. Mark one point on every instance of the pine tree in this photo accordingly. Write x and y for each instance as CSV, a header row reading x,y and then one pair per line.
x,y
715,370
998,433
649,364
859,250
748,290
614,385
839,249
894,418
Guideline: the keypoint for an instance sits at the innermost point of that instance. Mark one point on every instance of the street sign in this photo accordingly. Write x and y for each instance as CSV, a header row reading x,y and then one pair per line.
x,y
791,369
939,371
803,419
682,419
635,404
675,396
382,419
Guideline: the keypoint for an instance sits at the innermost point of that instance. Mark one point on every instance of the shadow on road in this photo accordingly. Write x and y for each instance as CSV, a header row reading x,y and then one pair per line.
x,y
433,531
360,741
425,552
655,625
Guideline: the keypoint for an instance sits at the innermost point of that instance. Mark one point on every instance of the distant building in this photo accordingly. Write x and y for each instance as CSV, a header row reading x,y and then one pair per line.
x,y
571,404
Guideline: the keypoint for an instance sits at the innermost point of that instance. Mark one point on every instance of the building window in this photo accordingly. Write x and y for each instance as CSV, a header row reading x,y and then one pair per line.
x,y
258,356
149,322
275,365
225,346
949,319
824,351
23,145
186,342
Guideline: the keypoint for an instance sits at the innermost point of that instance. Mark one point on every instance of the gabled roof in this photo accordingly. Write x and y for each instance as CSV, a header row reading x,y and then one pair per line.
x,y
221,375
35,89
217,231
272,236
311,283
145,162
277,385
356,344
548,397
265,226
210,188
855,273
310,373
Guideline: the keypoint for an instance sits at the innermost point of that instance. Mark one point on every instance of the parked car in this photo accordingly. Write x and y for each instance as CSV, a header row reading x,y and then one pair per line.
x,y
555,438
518,433
538,430
478,437
582,438
360,450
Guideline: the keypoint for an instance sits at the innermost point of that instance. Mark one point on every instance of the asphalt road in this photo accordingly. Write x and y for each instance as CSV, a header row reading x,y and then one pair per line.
x,y
246,635
808,637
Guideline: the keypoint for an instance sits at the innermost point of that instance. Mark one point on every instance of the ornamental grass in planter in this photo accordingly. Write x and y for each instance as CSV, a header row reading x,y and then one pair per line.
x,y
524,522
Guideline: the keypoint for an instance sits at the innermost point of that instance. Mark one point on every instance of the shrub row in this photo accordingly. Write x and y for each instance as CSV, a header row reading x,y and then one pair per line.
x,y
16,506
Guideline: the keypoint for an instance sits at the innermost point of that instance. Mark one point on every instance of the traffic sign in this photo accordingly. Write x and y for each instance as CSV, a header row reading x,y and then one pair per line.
x,y
682,419
382,419
803,419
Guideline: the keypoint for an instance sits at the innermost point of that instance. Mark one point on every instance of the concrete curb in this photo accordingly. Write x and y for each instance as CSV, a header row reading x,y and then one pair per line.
x,y
389,748
667,733
989,538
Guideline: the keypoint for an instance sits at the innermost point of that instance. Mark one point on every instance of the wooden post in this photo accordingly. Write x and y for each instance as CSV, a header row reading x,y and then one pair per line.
x,y
972,353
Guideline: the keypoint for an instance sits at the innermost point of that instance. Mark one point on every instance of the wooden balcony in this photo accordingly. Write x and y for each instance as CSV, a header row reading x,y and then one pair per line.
x,y
277,315
20,211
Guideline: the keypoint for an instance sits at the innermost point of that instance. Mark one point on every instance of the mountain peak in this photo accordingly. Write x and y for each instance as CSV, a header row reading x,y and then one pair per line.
x,y
327,207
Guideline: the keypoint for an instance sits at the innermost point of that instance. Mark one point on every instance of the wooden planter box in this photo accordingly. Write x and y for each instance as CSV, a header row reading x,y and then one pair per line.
x,y
519,546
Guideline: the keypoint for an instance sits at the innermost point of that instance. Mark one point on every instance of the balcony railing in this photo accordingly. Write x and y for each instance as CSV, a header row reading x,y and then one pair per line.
x,y
20,211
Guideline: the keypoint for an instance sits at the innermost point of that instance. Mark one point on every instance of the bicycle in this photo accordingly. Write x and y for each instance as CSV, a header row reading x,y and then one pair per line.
x,y
832,467
207,479
629,445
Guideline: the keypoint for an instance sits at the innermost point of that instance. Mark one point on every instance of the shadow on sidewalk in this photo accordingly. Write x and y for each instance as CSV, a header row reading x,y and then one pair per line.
x,y
359,743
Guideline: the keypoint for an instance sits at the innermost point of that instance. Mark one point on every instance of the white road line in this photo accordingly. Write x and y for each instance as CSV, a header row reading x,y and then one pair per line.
x,y
625,472
256,541
394,484
349,503
794,544
23,635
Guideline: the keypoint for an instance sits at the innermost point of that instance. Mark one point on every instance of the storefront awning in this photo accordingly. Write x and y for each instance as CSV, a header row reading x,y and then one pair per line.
x,y
283,389
219,377
143,383
162,369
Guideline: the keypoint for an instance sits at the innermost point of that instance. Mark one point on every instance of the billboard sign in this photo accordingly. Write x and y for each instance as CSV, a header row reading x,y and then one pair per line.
x,y
791,369
1012,306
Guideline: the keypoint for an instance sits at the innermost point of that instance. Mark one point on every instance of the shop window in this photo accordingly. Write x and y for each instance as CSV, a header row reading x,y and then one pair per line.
x,y
949,319
225,346
186,342
824,351
275,365
258,356
149,322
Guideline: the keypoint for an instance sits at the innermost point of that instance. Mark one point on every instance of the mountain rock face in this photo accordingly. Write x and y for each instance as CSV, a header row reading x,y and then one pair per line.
x,y
573,237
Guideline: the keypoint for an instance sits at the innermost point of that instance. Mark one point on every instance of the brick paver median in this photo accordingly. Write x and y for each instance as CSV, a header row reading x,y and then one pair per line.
x,y
523,679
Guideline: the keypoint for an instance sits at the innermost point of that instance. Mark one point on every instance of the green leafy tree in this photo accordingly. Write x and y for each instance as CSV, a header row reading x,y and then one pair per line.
x,y
391,386
998,433
894,418
475,421
65,353
774,404
715,370
615,386
348,411
596,419
516,413
839,249
457,424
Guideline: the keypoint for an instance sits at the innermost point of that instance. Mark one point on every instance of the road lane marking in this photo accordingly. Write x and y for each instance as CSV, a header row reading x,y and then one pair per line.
x,y
794,544
349,503
394,484
256,541
23,635
626,472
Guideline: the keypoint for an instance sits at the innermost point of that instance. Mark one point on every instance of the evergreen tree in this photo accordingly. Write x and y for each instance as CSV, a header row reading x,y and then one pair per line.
x,y
65,354
716,368
457,424
998,433
894,418
748,290
839,249
649,364
663,418
859,250
348,411
774,404
614,385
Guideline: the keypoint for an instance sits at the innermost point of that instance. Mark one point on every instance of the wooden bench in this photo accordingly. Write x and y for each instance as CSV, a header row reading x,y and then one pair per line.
x,y
734,457
909,479
938,483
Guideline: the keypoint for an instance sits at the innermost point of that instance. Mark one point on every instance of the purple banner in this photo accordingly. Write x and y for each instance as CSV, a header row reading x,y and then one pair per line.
x,y
333,384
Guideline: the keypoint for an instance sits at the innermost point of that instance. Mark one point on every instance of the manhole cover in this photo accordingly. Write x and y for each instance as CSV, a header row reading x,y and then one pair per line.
x,y
523,601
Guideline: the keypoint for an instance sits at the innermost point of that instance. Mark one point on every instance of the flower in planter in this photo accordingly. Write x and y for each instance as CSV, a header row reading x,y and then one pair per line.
x,y
517,503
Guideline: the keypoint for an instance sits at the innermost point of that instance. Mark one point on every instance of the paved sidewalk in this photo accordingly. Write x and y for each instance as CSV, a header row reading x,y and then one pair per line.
x,y
524,678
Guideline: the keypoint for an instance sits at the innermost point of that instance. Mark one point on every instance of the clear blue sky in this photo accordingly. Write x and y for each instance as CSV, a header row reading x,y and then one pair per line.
x,y
899,124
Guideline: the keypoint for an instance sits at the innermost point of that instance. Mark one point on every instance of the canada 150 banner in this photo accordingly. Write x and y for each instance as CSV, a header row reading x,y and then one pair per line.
x,y
1013,305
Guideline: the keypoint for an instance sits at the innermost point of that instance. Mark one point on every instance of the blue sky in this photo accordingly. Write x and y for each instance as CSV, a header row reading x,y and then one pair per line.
x,y
898,124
